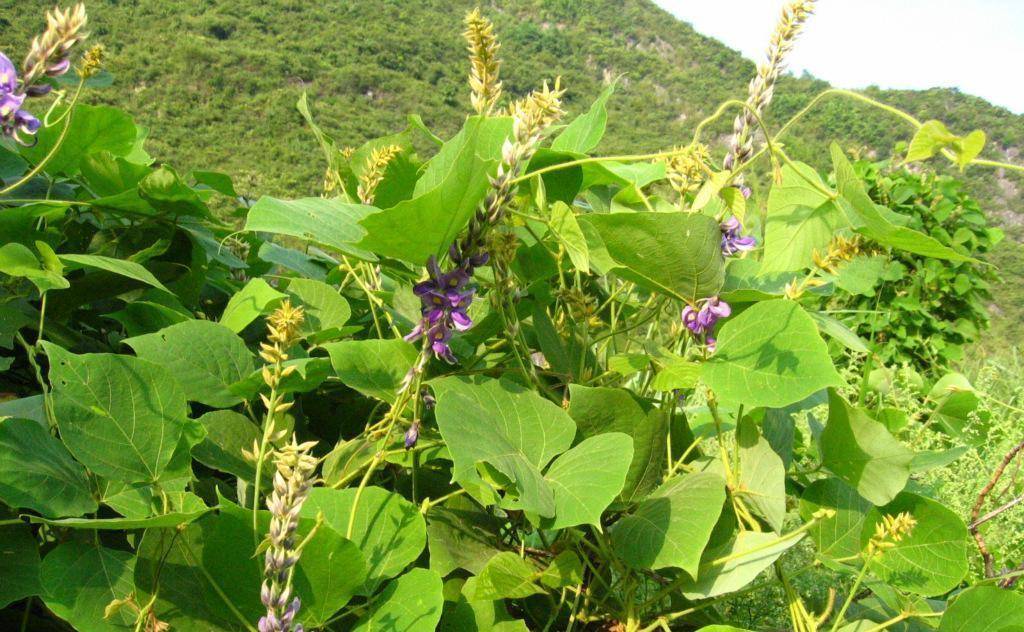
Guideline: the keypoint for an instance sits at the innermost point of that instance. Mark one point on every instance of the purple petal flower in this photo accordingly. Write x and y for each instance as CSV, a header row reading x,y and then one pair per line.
x,y
39,90
690,320
711,344
8,75
415,334
718,307
461,320
412,435
732,241
428,399
26,122
59,68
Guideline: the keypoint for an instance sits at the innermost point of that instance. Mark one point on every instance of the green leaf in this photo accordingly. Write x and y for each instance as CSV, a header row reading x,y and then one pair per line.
x,y
411,603
586,130
587,478
837,537
227,434
929,139
861,452
747,556
678,254
955,399
839,332
93,129
673,525
770,355
507,576
870,222
932,559
461,535
565,570
453,184
762,475
968,148
204,357
332,571
512,429
219,182
861,275
166,194
565,227
373,367
325,221
79,580
249,303
801,219
984,609
598,410
19,574
118,415
17,260
676,374
388,529
37,472
170,519
464,613
324,308
108,174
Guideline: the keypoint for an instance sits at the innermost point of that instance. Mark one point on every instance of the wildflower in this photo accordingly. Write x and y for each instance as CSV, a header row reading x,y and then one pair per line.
x,y
50,52
292,482
686,170
445,297
373,171
889,531
412,435
13,119
484,63
762,86
702,319
732,242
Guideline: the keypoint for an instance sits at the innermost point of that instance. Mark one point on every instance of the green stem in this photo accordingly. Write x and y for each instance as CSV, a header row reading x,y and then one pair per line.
x,y
268,429
56,147
849,597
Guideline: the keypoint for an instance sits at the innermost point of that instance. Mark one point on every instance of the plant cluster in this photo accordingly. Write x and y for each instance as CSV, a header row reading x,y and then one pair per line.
x,y
509,385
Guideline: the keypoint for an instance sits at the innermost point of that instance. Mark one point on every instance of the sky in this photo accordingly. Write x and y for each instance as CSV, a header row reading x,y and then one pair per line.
x,y
974,45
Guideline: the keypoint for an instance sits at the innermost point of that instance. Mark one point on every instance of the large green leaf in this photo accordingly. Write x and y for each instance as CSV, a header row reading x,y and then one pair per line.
x,y
122,267
598,410
837,537
511,429
985,609
508,576
94,128
227,434
19,573
79,580
801,219
120,416
746,557
326,221
170,519
411,603
762,476
330,574
461,535
868,221
324,308
17,260
678,254
770,355
932,559
249,303
446,196
373,367
587,478
586,130
205,358
464,613
860,451
37,472
673,525
388,529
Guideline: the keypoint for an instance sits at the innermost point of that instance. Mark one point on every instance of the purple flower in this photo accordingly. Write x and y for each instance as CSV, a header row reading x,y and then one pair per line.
x,y
711,344
732,241
445,298
701,320
412,435
13,119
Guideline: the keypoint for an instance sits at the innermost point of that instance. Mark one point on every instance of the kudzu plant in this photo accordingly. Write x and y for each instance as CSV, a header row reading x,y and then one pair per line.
x,y
487,382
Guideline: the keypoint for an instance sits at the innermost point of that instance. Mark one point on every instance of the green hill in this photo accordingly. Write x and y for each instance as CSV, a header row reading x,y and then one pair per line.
x,y
217,82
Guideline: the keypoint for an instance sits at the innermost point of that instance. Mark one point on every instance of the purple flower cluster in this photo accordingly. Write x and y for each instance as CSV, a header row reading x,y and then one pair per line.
x,y
445,297
732,241
701,320
13,119
282,623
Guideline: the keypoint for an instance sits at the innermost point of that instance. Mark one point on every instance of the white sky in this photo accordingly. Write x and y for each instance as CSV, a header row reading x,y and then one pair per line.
x,y
974,45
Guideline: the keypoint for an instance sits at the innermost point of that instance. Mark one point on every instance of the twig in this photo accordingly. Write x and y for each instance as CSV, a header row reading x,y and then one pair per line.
x,y
976,511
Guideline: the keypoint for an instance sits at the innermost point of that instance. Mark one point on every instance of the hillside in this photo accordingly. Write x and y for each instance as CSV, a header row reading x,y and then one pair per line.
x,y
217,82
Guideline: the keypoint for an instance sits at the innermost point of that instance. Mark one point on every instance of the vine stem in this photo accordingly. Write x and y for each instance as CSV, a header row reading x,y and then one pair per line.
x,y
56,147
268,427
849,597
